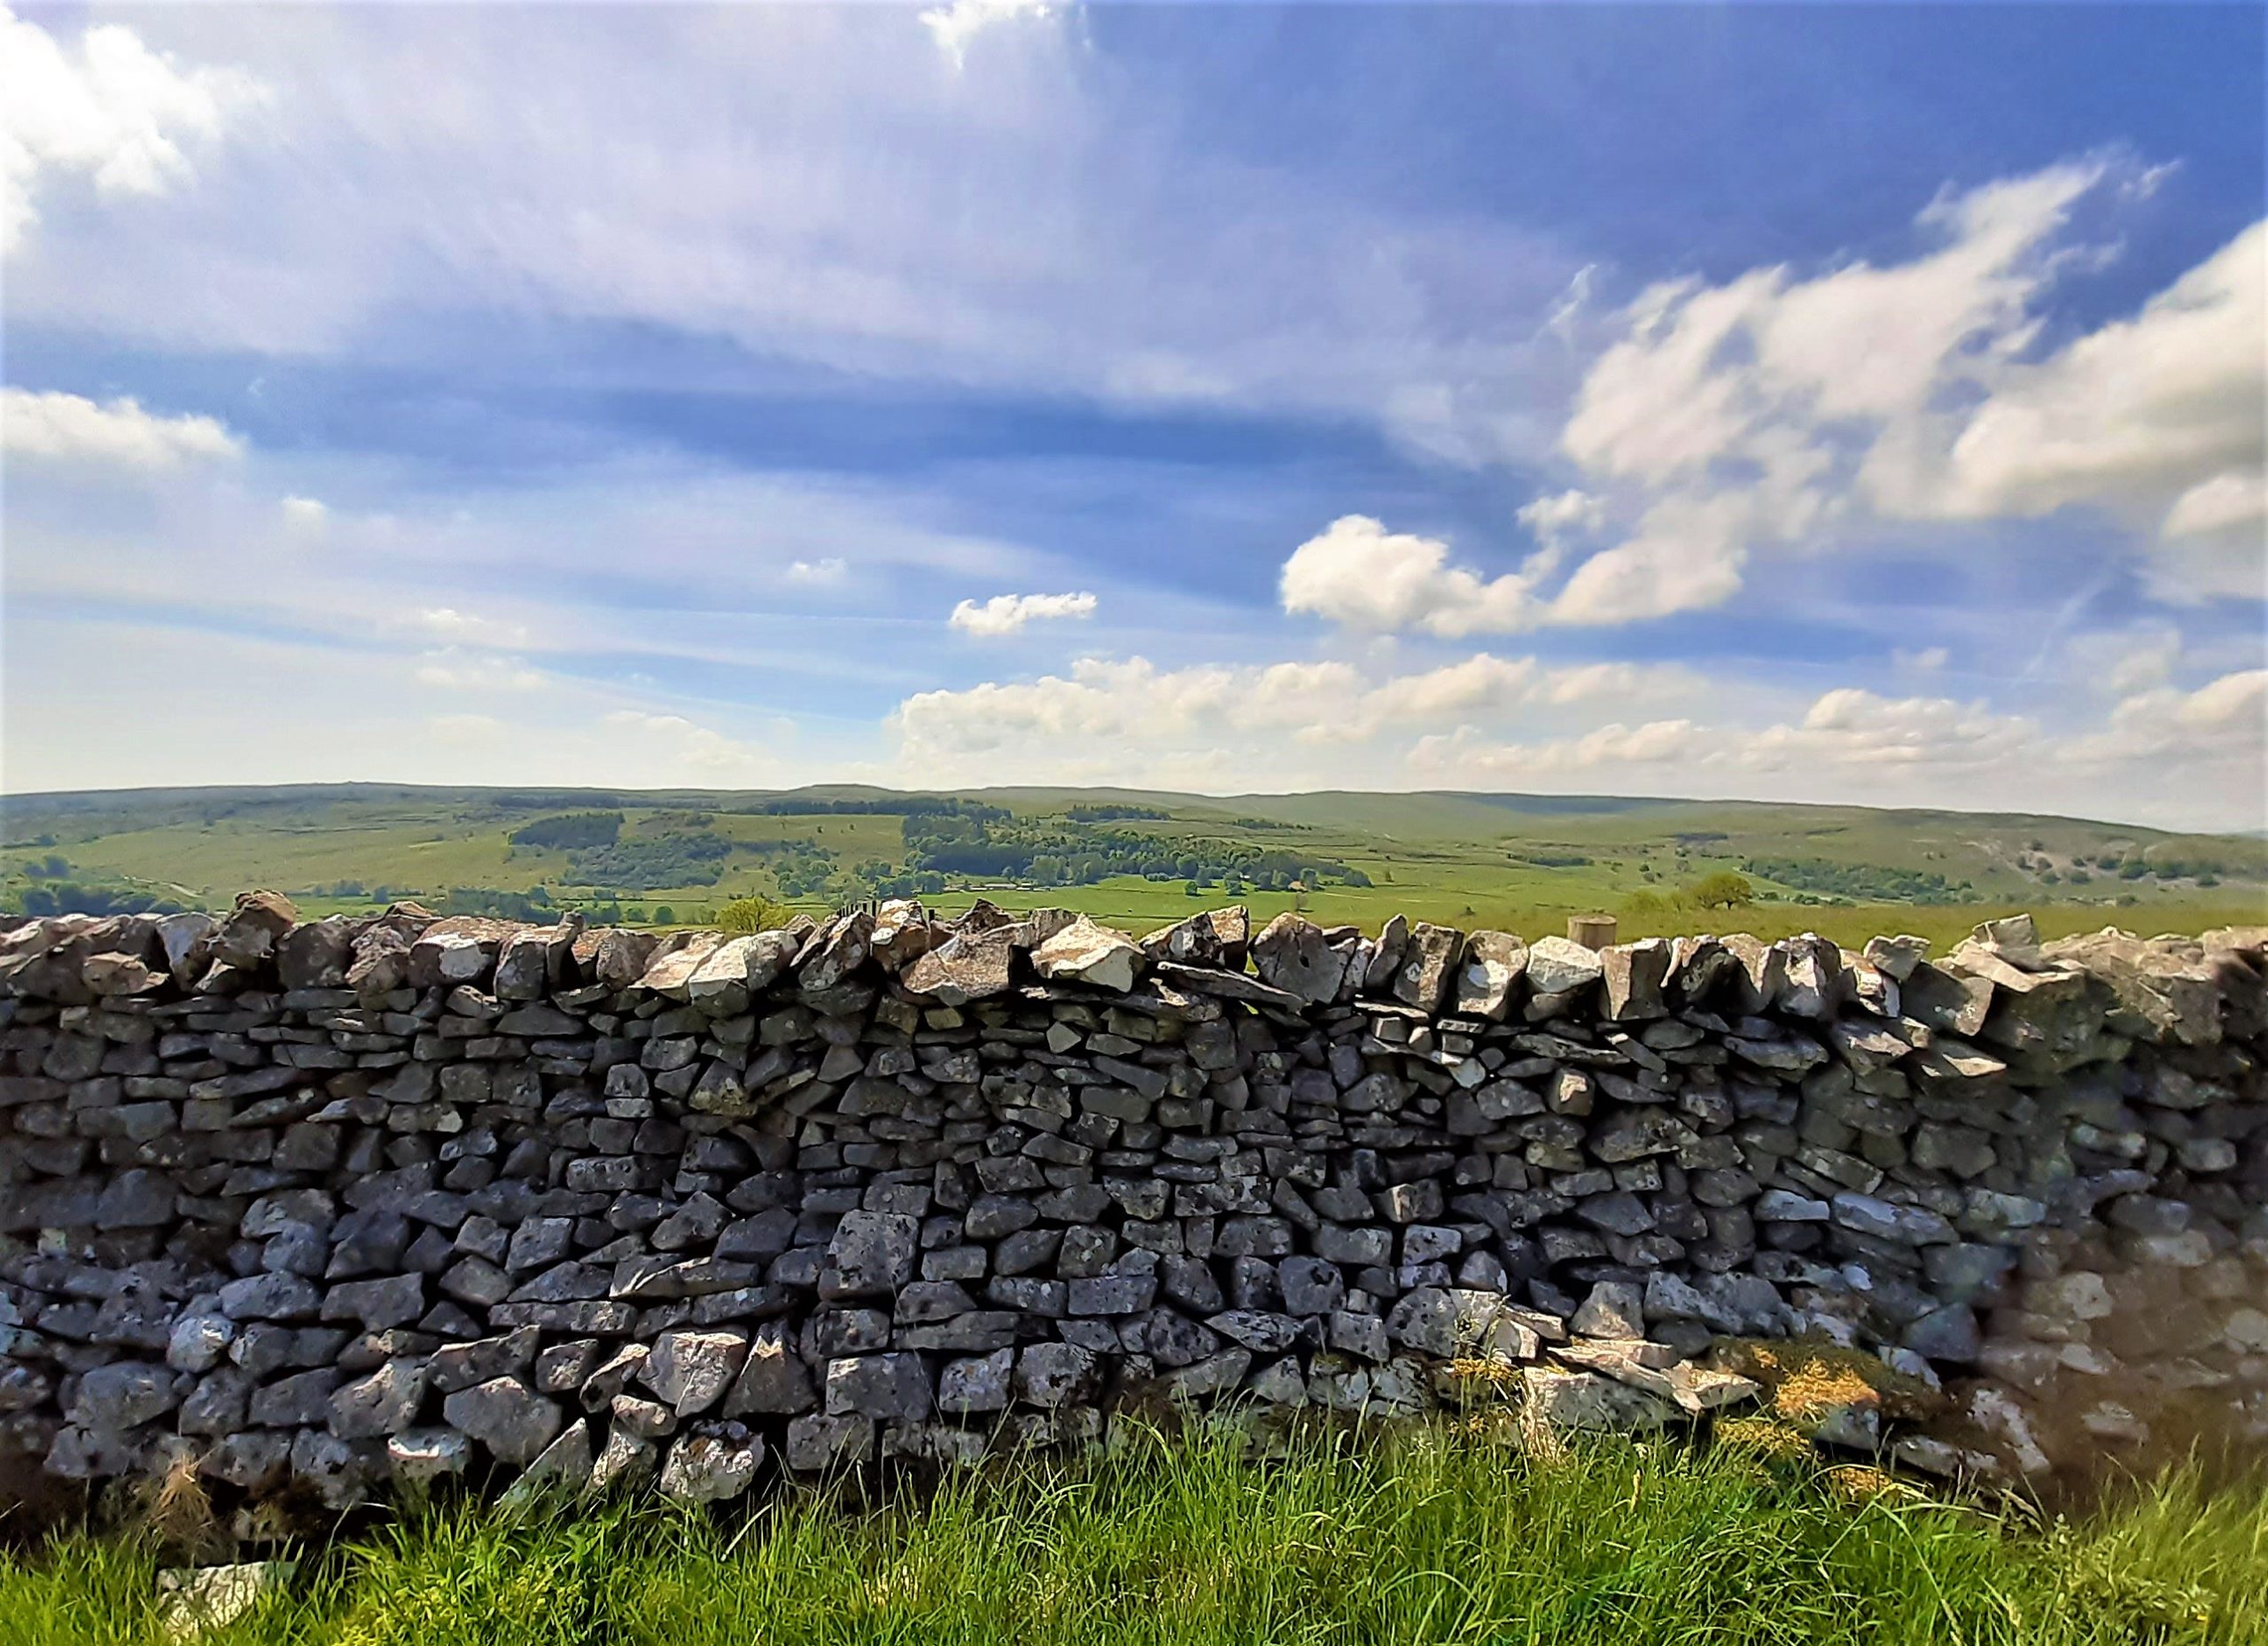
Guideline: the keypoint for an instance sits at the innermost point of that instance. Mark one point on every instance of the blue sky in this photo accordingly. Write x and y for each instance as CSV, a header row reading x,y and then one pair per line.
x,y
1828,402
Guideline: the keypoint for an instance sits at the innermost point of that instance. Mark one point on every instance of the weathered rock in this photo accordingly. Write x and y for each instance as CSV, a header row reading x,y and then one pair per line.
x,y
967,966
1429,965
1586,1401
712,1462
690,1368
1293,954
1557,967
505,1416
1488,975
247,937
1083,952
196,1600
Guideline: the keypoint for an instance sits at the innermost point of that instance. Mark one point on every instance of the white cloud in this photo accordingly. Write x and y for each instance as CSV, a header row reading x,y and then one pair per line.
x,y
1766,411
1006,614
304,514
703,754
67,428
952,26
107,108
1464,758
2225,718
2231,503
1556,522
2145,408
1033,228
1852,726
471,672
2117,663
465,628
1849,739
479,730
818,573
1255,717
1927,660
1358,574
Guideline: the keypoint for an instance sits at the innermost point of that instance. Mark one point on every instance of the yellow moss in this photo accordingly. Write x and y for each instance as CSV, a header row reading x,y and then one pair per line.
x,y
1803,1377
1763,1434
1857,1483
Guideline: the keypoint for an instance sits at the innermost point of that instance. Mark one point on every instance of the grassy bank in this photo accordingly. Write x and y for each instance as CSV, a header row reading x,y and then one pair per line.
x,y
1426,1540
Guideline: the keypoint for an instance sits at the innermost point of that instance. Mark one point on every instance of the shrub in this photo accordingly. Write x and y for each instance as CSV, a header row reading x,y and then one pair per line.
x,y
1724,889
742,915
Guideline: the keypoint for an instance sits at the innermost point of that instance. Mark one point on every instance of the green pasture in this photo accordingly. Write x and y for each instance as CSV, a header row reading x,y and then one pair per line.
x,y
1432,1536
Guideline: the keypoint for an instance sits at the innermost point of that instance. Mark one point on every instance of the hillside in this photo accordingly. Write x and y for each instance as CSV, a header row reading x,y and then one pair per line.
x,y
1137,857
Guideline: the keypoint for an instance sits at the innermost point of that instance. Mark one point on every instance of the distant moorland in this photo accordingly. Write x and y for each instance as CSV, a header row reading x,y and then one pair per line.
x,y
1137,859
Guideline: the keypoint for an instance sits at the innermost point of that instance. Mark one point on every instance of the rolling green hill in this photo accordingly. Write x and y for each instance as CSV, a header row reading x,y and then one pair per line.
x,y
1139,858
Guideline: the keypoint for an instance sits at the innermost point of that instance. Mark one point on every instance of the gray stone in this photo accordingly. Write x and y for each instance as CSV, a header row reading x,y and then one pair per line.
x,y
1558,966
383,1403
982,1383
421,1459
506,1415
870,1255
690,1369
1292,954
1083,952
716,1461
1054,1375
891,1386
123,1396
820,1444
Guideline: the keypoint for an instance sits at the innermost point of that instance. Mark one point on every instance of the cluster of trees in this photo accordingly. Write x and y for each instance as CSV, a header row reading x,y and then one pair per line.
x,y
1052,852
1116,813
535,905
70,897
1864,883
54,867
888,806
574,831
645,862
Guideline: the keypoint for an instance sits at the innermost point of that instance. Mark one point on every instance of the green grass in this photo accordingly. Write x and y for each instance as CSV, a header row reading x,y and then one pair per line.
x,y
1519,864
1430,1538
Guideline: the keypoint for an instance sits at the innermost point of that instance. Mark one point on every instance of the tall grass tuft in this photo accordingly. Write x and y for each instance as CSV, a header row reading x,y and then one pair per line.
x,y
1424,1537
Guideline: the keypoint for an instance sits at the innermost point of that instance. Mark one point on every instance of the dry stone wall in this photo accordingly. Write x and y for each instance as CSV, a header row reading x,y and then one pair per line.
x,y
353,1205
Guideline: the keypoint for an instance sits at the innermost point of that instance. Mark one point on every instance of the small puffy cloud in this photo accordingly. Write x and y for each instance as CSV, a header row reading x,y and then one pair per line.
x,y
465,628
2230,502
105,107
1851,727
1254,717
1563,515
466,729
1361,576
1928,660
2117,663
304,514
675,744
68,428
2225,719
1007,614
818,573
476,672
952,26
1465,758
1861,737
